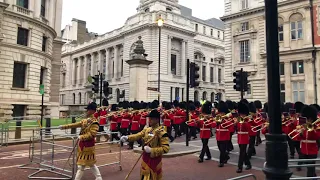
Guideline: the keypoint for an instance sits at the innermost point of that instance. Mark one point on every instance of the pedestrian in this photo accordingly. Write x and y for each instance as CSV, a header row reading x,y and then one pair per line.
x,y
86,146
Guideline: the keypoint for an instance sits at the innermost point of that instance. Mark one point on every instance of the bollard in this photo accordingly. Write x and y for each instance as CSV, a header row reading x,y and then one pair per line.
x,y
73,130
48,125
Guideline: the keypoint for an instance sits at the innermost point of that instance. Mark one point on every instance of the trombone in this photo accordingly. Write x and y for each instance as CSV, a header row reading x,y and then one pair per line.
x,y
259,127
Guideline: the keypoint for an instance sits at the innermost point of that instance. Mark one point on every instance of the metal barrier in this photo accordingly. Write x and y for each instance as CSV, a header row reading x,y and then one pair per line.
x,y
244,176
2,134
303,165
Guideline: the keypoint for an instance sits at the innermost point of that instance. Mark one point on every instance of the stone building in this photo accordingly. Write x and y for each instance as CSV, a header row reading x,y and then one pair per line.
x,y
30,56
182,37
245,45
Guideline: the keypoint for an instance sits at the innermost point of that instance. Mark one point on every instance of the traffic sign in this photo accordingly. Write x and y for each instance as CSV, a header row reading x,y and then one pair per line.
x,y
41,89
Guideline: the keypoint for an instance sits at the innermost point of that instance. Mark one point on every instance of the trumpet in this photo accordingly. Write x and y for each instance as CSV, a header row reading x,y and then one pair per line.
x,y
259,127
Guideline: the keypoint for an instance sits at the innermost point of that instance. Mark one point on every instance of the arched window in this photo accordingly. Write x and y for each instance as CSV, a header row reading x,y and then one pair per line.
x,y
296,26
196,96
212,97
118,95
204,95
280,27
79,98
199,56
74,98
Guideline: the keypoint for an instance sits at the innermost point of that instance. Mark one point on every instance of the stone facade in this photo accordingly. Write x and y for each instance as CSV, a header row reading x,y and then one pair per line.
x,y
40,20
182,37
245,48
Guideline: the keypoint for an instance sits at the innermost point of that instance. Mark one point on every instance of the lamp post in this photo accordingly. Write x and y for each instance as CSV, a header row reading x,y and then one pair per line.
x,y
160,22
276,166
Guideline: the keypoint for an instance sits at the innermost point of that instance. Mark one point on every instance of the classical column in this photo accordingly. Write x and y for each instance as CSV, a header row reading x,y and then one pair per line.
x,y
215,73
37,8
73,72
116,62
287,82
51,12
79,81
183,58
169,54
92,64
100,61
85,67
108,74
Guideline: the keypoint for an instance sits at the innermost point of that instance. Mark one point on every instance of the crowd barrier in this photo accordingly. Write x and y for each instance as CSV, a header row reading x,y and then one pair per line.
x,y
304,165
244,177
58,157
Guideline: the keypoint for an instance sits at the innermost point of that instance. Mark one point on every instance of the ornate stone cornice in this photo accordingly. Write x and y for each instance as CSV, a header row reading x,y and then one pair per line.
x,y
209,44
28,49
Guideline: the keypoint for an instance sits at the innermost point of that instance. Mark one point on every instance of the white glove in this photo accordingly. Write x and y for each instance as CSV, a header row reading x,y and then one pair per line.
x,y
60,127
147,149
124,138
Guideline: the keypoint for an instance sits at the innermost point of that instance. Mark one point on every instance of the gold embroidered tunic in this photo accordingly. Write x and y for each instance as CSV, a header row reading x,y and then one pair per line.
x,y
151,166
86,146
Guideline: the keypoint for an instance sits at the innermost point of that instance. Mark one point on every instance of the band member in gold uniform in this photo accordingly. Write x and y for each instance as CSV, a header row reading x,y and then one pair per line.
x,y
86,147
156,144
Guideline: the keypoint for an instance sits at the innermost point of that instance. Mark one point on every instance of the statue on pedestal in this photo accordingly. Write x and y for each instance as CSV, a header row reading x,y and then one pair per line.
x,y
139,51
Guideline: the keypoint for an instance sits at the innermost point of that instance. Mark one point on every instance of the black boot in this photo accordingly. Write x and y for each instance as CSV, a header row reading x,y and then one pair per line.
x,y
248,167
221,165
200,160
239,170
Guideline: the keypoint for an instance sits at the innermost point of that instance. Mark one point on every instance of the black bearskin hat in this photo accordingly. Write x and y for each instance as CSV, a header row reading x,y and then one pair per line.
x,y
154,105
223,107
265,107
298,106
252,108
309,112
230,105
113,107
125,105
235,105
206,108
176,103
245,101
316,106
287,107
192,107
197,104
167,106
258,104
243,108
135,105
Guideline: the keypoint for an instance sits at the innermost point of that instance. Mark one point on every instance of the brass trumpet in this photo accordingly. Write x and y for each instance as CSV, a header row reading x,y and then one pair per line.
x,y
259,127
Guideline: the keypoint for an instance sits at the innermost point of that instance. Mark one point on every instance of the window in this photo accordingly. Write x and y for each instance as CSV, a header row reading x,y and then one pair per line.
x,y
63,80
297,67
196,96
121,67
171,90
89,66
244,4
203,73
204,30
296,26
74,98
19,75
42,75
118,95
174,64
280,28
79,98
281,66
147,10
298,91
218,34
168,9
23,3
245,26
211,74
112,69
204,96
176,94
211,32
282,93
196,27
219,75
249,91
211,59
18,112
204,58
244,51
104,65
43,8
23,36
44,43
62,99
212,97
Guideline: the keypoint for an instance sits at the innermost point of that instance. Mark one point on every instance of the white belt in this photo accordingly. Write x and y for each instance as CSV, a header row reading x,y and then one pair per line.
x,y
167,120
243,133
222,129
114,122
205,129
308,141
135,122
125,120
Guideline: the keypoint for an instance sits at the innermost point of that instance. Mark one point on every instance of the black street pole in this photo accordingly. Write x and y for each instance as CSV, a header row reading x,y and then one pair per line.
x,y
41,118
242,82
187,108
159,64
276,166
100,75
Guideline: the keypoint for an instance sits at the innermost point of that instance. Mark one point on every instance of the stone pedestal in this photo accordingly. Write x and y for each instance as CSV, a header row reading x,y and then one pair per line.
x,y
138,79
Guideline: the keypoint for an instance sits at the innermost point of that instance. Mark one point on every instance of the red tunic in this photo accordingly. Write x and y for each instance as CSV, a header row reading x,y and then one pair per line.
x,y
205,130
243,133
222,134
113,123
135,123
166,120
308,142
252,124
125,122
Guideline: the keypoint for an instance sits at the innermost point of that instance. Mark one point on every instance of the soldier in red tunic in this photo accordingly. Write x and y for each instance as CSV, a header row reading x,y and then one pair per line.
x,y
205,131
102,122
114,123
258,106
193,122
167,117
309,136
134,129
243,136
231,128
252,134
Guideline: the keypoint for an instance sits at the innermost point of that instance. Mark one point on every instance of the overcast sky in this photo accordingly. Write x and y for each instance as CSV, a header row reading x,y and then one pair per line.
x,y
106,15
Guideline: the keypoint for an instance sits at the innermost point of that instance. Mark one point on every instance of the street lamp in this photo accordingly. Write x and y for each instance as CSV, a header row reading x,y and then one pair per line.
x,y
160,22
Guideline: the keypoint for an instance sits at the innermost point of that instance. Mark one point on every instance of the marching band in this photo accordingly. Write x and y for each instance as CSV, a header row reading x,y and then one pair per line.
x,y
246,119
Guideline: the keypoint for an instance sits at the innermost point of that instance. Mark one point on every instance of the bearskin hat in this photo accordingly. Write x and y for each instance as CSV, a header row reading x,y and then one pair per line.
x,y
135,105
176,103
252,108
192,107
113,107
309,112
316,106
243,108
197,104
125,105
298,106
258,104
230,105
120,104
265,107
287,107
182,105
167,106
223,107
245,101
206,108
235,105
154,105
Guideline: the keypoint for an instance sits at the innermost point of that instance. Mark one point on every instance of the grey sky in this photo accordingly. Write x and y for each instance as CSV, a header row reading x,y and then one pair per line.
x,y
106,15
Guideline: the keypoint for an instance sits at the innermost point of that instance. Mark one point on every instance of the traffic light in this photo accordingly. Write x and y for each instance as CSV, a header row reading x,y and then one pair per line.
x,y
237,80
95,84
245,81
105,88
194,75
